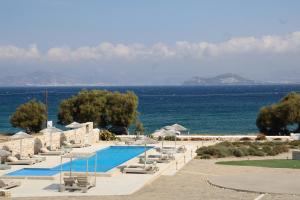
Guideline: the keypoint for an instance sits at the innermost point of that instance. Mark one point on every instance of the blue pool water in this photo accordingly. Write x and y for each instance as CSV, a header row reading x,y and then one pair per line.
x,y
107,159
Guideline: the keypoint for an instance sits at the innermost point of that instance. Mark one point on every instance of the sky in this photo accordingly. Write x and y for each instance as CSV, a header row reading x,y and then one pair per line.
x,y
142,42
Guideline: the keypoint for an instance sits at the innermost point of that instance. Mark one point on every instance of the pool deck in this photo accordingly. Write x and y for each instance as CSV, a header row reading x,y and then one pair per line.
x,y
111,183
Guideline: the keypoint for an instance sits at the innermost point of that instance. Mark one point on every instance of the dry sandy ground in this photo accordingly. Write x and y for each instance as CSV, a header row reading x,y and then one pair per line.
x,y
188,184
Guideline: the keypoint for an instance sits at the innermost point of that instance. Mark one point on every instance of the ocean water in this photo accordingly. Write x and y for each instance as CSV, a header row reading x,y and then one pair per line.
x,y
203,110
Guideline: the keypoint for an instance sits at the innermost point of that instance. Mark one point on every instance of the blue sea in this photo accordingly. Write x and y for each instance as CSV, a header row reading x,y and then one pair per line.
x,y
202,109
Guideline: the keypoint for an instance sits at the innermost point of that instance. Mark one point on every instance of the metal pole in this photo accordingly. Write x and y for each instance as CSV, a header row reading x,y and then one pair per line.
x,y
96,160
60,175
46,103
71,166
145,156
87,166
21,144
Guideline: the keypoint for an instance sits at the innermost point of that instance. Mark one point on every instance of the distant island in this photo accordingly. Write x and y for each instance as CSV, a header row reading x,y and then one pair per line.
x,y
45,78
223,79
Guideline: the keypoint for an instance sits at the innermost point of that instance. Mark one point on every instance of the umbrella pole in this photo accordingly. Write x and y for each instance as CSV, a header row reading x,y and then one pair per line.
x,y
87,167
71,167
50,140
60,174
162,146
145,159
21,146
96,160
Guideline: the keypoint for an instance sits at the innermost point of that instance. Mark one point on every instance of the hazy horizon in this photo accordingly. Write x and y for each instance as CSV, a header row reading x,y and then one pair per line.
x,y
151,42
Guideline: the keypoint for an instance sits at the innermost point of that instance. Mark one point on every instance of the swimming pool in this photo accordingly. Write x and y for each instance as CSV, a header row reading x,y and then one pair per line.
x,y
107,159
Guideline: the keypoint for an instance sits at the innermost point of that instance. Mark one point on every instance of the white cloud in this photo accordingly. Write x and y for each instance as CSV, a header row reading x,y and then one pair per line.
x,y
181,50
11,52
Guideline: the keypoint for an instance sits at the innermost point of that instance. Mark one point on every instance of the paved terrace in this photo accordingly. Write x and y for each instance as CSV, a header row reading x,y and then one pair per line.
x,y
116,184
190,183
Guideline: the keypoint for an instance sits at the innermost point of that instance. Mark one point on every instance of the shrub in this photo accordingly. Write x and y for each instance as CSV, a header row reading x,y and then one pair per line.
x,y
277,139
106,136
280,149
169,138
238,153
295,143
245,139
260,137
240,149
255,152
205,156
267,150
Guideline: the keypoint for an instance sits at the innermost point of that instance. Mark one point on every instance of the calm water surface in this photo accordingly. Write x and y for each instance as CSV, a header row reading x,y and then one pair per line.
x,y
210,109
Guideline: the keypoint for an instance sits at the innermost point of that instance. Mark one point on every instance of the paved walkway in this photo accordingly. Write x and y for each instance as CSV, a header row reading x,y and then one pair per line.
x,y
190,183
267,182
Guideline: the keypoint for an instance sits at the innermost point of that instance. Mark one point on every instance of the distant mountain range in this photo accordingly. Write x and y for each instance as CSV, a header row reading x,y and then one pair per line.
x,y
44,78
223,79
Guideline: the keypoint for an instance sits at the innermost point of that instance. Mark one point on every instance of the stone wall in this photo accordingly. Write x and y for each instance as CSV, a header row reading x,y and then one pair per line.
x,y
86,133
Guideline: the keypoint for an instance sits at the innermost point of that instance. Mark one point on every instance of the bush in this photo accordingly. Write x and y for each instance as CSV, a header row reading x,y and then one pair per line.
x,y
205,156
238,153
268,150
295,143
106,136
260,137
169,138
240,149
280,149
245,139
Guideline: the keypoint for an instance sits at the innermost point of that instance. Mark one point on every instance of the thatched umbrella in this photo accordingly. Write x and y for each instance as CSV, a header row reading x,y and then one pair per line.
x,y
20,136
51,130
4,153
144,141
74,125
165,133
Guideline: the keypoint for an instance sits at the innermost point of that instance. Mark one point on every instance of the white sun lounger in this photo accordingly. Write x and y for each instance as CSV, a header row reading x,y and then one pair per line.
x,y
15,161
7,184
70,145
82,183
35,158
159,158
140,169
47,152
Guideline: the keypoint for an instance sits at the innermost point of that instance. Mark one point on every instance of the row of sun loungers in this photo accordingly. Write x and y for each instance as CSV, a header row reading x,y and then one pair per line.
x,y
12,160
159,158
58,152
141,168
73,145
172,150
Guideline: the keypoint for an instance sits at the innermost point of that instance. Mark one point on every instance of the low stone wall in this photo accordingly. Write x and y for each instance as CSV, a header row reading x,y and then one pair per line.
x,y
86,133
14,146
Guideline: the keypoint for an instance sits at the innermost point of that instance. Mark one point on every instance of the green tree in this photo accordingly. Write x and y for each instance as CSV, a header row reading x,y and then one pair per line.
x,y
275,119
86,106
122,109
103,108
139,128
30,116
